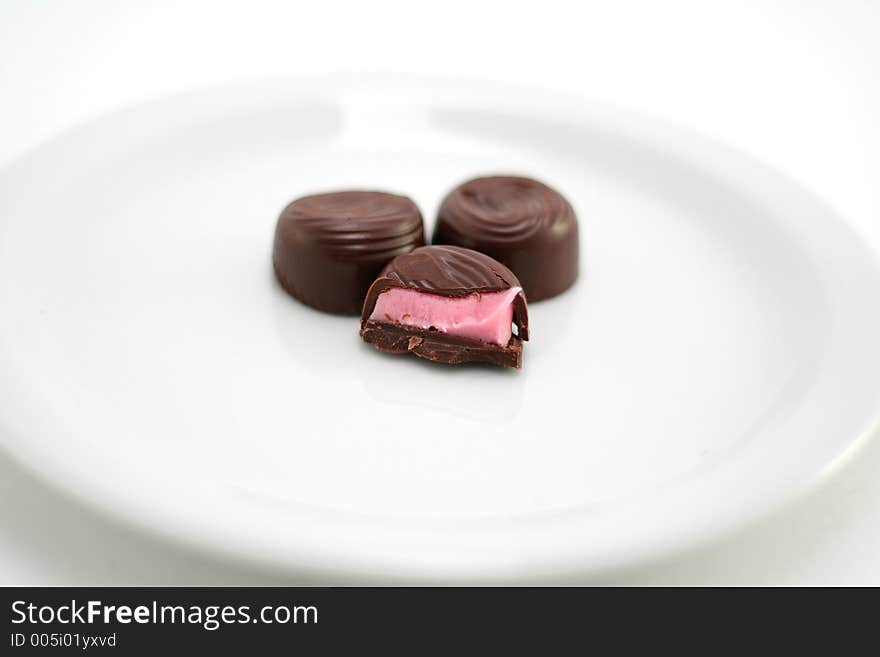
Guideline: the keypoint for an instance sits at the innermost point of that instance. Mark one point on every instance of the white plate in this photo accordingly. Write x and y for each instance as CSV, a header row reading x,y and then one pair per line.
x,y
718,355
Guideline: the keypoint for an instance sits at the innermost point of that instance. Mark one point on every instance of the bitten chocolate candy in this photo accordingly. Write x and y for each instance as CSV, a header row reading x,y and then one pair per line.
x,y
329,248
447,304
520,222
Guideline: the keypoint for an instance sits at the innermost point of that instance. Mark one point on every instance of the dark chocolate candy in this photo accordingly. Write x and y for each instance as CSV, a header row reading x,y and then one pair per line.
x,y
452,272
329,248
520,222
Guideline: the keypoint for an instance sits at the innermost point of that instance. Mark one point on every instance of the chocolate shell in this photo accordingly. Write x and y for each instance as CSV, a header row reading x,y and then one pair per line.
x,y
520,222
329,248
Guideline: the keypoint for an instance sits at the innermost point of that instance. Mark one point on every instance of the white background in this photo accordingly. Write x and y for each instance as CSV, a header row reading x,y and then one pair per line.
x,y
795,83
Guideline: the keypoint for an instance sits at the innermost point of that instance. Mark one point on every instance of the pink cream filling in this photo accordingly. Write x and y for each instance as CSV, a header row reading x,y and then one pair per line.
x,y
482,316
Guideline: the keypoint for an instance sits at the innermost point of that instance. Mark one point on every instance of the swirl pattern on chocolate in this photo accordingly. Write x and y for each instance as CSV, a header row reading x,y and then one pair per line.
x,y
505,209
449,271
357,224
520,222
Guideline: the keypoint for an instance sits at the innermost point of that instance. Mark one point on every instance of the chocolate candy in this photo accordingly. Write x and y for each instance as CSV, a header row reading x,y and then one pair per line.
x,y
447,304
329,248
520,222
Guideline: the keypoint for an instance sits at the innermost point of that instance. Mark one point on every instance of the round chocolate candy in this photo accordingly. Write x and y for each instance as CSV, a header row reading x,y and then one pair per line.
x,y
520,222
449,305
329,248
